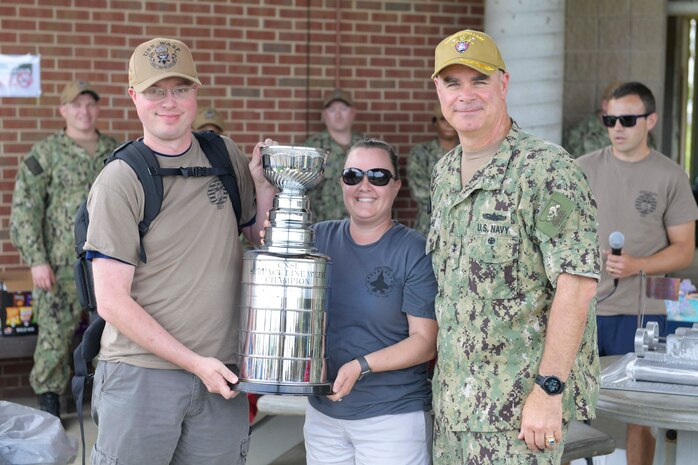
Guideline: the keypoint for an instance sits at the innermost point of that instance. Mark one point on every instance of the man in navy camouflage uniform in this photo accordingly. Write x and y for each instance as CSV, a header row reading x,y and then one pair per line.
x,y
338,115
421,162
590,134
52,180
516,257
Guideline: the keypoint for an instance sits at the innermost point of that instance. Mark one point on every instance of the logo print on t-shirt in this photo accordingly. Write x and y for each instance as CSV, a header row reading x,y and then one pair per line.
x,y
646,203
380,281
216,192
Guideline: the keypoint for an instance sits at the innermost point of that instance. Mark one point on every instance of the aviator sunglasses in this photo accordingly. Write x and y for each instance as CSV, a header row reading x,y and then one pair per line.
x,y
376,176
627,121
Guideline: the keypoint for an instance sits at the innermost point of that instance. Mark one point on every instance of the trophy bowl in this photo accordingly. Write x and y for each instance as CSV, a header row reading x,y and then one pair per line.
x,y
292,168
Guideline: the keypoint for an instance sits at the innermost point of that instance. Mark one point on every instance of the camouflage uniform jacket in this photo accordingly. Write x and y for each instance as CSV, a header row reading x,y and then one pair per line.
x,y
586,136
420,164
326,201
498,246
52,180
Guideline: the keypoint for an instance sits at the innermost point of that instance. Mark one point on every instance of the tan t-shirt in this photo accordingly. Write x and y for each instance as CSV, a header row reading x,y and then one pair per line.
x,y
190,283
471,162
640,200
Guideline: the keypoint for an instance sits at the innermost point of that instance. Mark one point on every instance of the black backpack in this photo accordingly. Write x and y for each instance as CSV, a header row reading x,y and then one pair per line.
x,y
142,160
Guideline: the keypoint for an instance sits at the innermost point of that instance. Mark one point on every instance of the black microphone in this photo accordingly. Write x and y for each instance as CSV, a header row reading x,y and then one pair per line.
x,y
616,241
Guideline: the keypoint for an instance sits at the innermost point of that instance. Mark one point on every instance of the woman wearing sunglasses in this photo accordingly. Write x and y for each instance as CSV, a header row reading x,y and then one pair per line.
x,y
381,328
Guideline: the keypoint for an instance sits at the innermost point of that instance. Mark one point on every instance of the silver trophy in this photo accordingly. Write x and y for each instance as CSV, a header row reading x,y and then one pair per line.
x,y
285,286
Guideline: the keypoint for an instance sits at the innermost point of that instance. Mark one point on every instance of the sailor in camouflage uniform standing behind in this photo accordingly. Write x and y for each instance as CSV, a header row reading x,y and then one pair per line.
x,y
590,134
326,201
421,162
52,180
516,257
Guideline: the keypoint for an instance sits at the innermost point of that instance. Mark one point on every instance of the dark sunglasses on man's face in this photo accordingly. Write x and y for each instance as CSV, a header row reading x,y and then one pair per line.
x,y
376,176
627,121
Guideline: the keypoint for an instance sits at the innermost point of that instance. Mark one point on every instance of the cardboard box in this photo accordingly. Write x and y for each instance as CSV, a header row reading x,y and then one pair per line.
x,y
16,315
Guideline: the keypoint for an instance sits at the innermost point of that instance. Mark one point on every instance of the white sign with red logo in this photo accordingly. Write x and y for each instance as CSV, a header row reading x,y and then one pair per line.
x,y
20,75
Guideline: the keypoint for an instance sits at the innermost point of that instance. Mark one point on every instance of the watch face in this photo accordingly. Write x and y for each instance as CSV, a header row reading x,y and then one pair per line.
x,y
552,385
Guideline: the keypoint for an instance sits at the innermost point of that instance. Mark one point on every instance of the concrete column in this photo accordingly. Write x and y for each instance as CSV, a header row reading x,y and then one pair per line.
x,y
531,37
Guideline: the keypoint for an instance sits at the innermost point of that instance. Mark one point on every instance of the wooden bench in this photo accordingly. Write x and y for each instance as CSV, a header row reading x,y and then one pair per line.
x,y
280,429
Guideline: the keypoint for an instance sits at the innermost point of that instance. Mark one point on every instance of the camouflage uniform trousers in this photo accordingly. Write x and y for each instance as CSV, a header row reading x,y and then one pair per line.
x,y
58,313
489,448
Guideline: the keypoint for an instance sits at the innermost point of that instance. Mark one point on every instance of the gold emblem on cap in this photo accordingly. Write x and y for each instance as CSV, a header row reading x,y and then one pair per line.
x,y
162,56
463,41
462,46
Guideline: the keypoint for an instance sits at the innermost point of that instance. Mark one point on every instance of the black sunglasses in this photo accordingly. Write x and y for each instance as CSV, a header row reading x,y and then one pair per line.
x,y
627,121
376,176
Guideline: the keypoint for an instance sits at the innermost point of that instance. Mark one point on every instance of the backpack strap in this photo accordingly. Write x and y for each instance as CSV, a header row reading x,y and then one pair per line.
x,y
193,171
142,161
86,350
215,150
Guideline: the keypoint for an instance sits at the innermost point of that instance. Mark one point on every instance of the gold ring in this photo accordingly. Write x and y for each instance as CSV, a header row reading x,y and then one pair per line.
x,y
550,440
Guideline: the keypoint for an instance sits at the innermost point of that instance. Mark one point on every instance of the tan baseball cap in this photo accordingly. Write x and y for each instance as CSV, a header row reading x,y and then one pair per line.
x,y
158,59
208,116
75,88
337,94
474,49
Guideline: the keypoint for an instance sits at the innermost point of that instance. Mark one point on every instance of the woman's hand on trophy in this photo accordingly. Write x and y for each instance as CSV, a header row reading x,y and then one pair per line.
x,y
345,380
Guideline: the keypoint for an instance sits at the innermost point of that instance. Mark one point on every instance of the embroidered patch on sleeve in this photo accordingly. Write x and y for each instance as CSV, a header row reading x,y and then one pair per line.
x,y
554,215
33,165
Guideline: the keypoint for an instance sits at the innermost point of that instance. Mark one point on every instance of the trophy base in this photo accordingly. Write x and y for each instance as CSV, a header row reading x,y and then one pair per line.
x,y
283,389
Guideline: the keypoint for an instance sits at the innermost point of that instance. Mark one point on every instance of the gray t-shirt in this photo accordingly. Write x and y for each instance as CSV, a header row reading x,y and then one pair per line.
x,y
639,199
373,289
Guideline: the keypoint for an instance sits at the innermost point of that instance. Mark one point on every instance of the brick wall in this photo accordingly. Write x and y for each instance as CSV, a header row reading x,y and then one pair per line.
x,y
14,377
264,64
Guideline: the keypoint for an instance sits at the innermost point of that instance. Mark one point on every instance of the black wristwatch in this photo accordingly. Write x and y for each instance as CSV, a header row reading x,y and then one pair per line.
x,y
365,369
551,384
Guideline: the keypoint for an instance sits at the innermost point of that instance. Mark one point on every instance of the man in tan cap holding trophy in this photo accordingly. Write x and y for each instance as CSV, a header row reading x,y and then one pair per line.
x,y
515,252
161,392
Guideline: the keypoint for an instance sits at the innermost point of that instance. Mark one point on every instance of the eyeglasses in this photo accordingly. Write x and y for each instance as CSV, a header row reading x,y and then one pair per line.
x,y
627,121
178,93
376,176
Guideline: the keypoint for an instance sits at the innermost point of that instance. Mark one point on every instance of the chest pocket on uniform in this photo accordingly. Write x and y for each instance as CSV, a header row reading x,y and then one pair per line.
x,y
493,266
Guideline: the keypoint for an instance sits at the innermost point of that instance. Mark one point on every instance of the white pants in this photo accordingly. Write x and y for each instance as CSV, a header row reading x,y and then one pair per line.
x,y
401,439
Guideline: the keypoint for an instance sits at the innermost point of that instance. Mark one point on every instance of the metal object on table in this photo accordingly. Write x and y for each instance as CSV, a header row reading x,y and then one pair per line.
x,y
285,286
669,367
